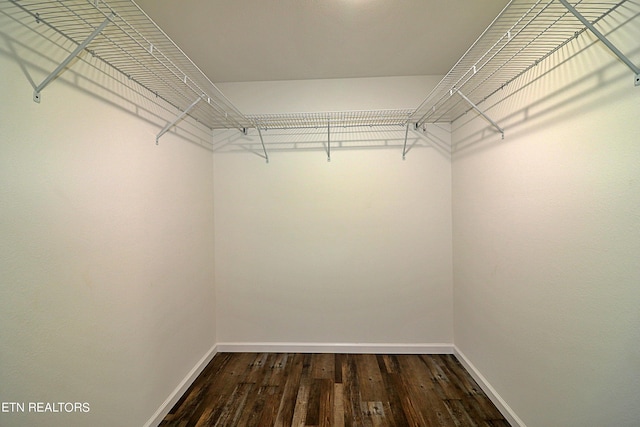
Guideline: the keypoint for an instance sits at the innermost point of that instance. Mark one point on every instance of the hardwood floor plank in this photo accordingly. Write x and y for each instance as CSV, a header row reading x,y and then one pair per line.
x,y
395,415
289,395
370,379
323,366
351,395
442,379
267,411
338,363
374,413
232,410
459,414
421,386
223,387
408,405
302,403
313,405
338,405
325,412
390,363
459,374
342,390
279,368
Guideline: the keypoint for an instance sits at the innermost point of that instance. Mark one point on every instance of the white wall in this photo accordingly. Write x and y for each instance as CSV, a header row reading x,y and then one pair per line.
x,y
547,242
106,277
356,250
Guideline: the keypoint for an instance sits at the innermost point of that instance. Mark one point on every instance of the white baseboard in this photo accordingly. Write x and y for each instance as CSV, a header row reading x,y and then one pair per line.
x,y
502,406
173,398
286,347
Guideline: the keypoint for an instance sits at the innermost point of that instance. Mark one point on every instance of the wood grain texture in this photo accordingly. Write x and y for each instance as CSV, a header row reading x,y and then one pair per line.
x,y
342,390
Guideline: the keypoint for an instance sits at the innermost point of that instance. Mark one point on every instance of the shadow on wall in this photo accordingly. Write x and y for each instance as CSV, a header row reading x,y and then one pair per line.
x,y
38,54
580,77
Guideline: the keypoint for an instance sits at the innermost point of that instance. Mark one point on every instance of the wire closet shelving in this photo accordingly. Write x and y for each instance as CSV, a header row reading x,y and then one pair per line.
x,y
524,34
121,34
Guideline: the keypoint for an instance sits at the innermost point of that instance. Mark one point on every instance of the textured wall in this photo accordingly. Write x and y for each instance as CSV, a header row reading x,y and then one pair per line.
x,y
546,242
106,277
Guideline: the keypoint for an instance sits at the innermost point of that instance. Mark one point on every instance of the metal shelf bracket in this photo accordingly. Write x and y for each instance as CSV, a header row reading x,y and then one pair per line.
x,y
604,40
328,141
475,107
406,136
266,156
72,55
177,119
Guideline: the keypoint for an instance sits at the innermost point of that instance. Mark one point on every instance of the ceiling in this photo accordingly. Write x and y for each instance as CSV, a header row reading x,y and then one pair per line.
x,y
264,40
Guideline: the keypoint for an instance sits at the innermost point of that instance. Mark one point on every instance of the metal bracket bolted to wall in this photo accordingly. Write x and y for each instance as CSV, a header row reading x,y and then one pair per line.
x,y
72,55
328,141
475,107
266,156
406,136
177,119
604,40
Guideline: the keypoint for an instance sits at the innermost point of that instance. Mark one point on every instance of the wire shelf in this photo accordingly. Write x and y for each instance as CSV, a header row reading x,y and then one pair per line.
x,y
523,34
119,33
331,119
135,46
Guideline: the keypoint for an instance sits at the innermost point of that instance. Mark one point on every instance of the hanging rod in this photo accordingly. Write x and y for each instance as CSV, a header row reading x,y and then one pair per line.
x,y
136,47
520,37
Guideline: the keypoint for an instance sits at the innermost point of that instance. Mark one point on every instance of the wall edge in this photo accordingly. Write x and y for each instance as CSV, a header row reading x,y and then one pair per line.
x,y
491,392
182,387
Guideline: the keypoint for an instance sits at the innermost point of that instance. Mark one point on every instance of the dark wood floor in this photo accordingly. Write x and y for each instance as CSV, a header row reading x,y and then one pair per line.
x,y
276,389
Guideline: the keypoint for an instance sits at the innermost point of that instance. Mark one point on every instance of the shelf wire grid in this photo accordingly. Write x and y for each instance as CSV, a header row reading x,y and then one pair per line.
x,y
523,34
344,119
136,47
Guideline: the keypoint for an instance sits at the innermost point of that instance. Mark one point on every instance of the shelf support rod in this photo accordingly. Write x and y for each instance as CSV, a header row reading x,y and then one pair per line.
x,y
406,136
177,119
72,55
328,141
604,40
475,107
266,156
